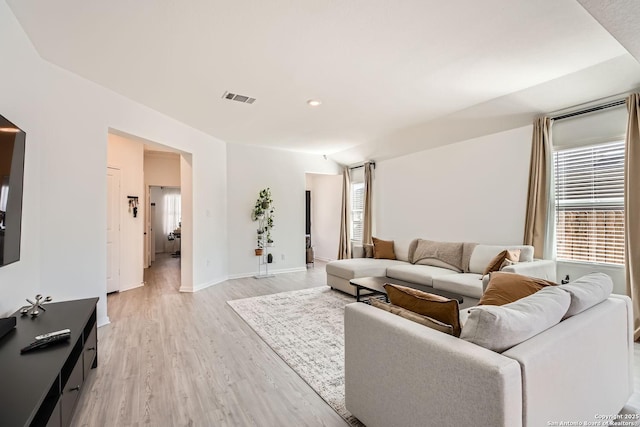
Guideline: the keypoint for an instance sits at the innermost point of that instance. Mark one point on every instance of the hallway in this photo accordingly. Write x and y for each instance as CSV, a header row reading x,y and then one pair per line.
x,y
178,359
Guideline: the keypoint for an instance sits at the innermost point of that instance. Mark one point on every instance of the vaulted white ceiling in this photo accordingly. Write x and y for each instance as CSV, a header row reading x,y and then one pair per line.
x,y
393,76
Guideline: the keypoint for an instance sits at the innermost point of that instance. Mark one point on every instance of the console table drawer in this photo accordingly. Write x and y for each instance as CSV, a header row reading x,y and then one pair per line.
x,y
71,392
54,420
90,351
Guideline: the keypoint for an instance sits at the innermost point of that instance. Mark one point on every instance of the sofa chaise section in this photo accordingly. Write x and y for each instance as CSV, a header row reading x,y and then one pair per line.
x,y
398,372
339,273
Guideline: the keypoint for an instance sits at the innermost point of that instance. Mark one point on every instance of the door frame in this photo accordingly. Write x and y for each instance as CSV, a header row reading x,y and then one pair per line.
x,y
118,217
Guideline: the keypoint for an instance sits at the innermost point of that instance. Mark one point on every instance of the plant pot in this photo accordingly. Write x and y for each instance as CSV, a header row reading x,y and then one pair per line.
x,y
259,251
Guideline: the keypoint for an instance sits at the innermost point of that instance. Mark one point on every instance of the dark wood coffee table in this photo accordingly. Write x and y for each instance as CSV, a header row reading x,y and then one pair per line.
x,y
375,286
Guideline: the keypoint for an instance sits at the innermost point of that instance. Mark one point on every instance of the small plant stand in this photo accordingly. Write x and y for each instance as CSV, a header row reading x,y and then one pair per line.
x,y
262,260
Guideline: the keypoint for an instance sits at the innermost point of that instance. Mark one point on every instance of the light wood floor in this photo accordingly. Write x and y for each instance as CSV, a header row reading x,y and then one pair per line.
x,y
176,359
173,359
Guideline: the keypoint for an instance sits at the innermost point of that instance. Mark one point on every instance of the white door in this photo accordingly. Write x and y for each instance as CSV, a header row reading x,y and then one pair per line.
x,y
113,230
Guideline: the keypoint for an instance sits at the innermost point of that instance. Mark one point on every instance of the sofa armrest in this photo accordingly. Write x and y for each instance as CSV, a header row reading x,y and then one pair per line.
x,y
541,268
400,373
580,367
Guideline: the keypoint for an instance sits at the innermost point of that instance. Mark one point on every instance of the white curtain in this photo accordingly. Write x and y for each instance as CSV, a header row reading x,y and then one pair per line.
x,y
171,214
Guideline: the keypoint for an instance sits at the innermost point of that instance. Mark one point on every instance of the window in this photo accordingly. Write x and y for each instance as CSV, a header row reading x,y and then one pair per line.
x,y
172,209
357,210
589,190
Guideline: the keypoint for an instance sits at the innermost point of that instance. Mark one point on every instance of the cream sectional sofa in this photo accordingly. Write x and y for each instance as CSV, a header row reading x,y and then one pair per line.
x,y
469,285
400,373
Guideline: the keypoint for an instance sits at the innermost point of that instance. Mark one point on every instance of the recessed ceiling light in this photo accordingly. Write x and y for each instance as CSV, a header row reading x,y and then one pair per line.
x,y
11,130
314,102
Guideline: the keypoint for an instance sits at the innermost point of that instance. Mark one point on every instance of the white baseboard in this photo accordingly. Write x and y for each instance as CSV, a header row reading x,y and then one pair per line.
x,y
103,321
202,286
132,287
280,271
318,258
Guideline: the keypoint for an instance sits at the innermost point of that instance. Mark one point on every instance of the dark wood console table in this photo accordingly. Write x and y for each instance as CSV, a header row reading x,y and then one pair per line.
x,y
41,388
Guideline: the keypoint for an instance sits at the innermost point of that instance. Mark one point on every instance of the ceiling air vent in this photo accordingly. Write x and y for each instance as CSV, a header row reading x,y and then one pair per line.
x,y
239,98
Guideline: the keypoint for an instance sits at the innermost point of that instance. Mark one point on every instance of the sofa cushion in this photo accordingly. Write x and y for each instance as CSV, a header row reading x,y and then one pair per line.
x,y
383,249
360,267
506,257
504,288
587,291
435,306
421,274
482,254
499,328
414,317
468,284
403,248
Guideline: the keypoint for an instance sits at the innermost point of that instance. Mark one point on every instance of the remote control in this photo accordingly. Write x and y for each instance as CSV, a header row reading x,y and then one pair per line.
x,y
51,334
45,342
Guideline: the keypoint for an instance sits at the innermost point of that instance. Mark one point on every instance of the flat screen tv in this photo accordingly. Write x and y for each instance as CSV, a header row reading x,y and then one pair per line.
x,y
12,141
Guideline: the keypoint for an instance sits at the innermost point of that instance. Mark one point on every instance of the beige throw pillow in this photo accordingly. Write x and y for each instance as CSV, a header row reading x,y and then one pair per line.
x,y
500,328
437,307
383,249
504,258
414,317
587,291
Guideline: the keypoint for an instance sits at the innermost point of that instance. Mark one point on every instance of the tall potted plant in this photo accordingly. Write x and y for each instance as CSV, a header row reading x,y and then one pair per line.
x,y
263,213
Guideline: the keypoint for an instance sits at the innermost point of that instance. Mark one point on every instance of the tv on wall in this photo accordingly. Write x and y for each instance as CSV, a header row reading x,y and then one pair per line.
x,y
12,141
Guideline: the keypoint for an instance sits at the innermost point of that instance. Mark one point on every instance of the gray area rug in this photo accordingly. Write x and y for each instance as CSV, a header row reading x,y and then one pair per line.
x,y
306,329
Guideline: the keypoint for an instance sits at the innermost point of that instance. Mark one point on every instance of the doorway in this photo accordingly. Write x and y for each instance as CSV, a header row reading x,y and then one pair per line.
x,y
324,206
165,222
143,164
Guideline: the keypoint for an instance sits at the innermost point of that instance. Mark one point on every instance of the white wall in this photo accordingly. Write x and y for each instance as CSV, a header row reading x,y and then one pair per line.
x,y
250,169
326,203
67,119
473,191
162,169
128,156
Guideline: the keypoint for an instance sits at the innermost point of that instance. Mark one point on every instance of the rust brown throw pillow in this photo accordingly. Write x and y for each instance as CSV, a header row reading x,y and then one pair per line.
x,y
504,288
510,255
437,307
414,317
383,249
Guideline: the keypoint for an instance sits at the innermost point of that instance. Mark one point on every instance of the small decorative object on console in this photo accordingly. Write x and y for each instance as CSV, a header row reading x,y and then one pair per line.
x,y
33,308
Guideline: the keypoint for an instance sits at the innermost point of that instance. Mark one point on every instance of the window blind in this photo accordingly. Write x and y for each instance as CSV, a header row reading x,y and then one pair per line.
x,y
357,210
589,189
